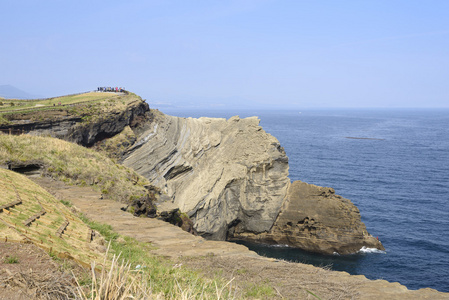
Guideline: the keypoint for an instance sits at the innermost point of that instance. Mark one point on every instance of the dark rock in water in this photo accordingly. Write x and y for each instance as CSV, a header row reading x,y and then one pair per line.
x,y
314,219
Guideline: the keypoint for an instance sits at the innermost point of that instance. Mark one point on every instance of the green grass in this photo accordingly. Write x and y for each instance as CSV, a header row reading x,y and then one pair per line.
x,y
162,274
67,203
11,260
263,291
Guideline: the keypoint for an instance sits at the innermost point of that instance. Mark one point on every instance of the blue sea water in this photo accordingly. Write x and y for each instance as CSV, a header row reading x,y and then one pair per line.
x,y
399,180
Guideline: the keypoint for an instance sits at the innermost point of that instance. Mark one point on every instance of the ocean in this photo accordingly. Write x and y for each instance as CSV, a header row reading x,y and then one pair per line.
x,y
392,164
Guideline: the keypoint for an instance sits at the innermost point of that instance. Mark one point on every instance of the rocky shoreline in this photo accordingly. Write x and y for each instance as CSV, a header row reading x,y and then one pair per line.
x,y
315,219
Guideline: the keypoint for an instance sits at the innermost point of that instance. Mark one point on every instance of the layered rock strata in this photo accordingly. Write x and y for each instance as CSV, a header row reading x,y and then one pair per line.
x,y
315,219
222,173
231,178
74,128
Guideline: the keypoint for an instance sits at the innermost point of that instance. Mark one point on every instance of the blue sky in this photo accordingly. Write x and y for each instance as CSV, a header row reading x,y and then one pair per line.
x,y
224,54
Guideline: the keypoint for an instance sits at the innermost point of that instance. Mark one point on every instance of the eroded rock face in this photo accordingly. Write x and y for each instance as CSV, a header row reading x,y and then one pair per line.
x,y
74,129
313,218
222,173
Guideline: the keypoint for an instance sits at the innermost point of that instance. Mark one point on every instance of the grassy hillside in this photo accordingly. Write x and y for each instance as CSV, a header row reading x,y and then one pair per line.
x,y
52,103
57,229
87,106
73,164
66,236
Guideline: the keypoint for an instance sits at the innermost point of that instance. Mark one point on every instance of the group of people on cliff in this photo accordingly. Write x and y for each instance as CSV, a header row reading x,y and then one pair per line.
x,y
110,89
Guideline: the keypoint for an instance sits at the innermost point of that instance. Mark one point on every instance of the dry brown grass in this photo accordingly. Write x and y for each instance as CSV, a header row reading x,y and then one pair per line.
x,y
117,145
88,106
158,278
15,104
116,282
119,281
43,231
48,287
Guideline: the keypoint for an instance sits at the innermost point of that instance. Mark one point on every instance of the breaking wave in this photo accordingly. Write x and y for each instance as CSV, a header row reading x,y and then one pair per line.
x,y
370,250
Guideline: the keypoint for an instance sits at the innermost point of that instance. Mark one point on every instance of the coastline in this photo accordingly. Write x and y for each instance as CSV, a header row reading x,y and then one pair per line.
x,y
228,258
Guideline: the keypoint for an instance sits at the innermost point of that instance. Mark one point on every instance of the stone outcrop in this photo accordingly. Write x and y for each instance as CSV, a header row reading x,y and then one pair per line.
x,y
112,123
222,173
313,218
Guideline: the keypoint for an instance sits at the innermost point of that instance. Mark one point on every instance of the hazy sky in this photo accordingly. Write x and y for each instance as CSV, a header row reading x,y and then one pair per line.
x,y
279,54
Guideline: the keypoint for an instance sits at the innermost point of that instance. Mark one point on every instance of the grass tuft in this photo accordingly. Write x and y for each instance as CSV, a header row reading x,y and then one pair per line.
x,y
11,260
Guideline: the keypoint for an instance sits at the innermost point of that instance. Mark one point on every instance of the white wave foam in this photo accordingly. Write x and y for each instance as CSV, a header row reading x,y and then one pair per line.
x,y
280,246
365,249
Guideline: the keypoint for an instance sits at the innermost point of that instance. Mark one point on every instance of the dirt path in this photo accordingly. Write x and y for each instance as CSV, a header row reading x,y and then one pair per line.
x,y
290,280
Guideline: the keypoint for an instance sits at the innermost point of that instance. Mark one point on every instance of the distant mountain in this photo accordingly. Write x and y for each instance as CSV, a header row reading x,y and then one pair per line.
x,y
11,92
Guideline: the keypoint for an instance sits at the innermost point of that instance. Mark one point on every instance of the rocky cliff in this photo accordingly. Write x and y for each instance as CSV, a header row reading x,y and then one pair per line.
x,y
84,123
231,178
222,173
